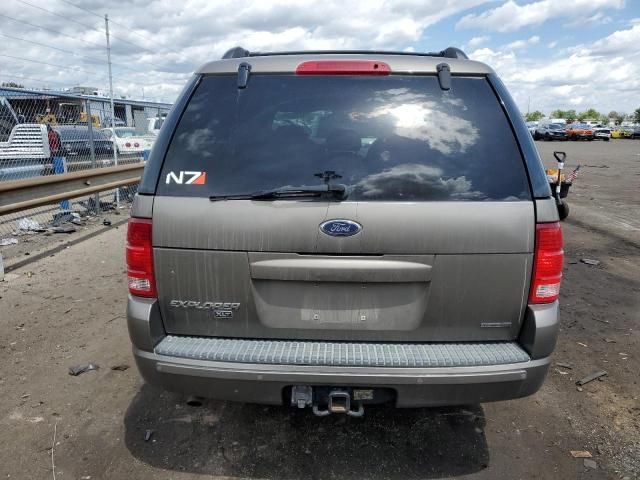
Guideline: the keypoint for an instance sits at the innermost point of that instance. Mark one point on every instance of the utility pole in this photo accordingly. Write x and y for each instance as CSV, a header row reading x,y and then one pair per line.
x,y
113,119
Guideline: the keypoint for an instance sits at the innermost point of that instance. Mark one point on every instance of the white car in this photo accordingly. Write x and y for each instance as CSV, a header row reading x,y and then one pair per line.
x,y
601,132
127,140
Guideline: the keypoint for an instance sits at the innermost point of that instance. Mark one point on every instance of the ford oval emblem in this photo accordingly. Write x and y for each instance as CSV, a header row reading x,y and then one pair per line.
x,y
340,228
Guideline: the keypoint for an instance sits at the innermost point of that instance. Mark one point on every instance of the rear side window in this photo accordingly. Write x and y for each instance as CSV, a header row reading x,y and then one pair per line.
x,y
393,138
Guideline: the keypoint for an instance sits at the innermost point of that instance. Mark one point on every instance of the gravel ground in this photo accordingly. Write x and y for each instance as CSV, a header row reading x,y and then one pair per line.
x,y
68,306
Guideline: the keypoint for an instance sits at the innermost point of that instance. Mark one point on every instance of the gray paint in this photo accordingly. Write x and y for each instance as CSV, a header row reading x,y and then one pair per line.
x,y
388,228
540,329
414,387
546,210
144,322
397,63
450,303
142,206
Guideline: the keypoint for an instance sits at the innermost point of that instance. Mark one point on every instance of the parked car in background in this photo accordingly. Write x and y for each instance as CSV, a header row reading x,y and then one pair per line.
x,y
154,125
75,142
532,126
127,140
579,131
635,132
550,131
8,119
25,153
117,122
622,132
600,132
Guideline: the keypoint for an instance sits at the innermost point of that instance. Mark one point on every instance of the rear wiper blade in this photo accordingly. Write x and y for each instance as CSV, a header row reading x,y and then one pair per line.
x,y
337,190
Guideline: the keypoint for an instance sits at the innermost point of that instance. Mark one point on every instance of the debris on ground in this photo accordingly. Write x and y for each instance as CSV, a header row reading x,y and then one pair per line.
x,y
120,368
564,365
581,454
590,261
147,435
79,369
63,217
8,241
66,229
90,205
591,377
590,463
582,344
29,225
106,223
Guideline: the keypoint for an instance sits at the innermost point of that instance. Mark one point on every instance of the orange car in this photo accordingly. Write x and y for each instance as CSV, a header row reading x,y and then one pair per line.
x,y
580,131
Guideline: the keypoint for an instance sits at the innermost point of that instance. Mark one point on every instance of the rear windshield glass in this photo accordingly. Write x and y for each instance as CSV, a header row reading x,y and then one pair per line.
x,y
393,138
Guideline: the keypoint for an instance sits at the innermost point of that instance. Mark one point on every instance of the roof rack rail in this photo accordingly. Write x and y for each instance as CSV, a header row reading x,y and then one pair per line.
x,y
239,52
236,52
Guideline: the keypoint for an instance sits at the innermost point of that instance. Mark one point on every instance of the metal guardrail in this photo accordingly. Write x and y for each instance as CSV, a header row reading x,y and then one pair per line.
x,y
33,192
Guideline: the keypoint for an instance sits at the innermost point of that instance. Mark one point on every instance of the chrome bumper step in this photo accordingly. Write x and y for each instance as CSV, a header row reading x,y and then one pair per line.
x,y
342,354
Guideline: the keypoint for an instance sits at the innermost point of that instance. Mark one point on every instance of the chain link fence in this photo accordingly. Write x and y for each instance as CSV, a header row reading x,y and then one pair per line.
x,y
45,133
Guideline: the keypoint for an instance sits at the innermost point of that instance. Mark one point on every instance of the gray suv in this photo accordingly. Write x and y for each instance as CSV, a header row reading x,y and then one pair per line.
x,y
336,229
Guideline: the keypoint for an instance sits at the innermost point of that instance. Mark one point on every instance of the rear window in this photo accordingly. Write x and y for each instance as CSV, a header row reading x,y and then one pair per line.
x,y
125,132
393,138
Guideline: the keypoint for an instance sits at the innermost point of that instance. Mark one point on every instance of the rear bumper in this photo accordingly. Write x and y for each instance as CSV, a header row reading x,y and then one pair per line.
x,y
255,381
414,387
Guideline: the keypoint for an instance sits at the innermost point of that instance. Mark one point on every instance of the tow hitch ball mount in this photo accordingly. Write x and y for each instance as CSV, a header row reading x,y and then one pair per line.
x,y
336,401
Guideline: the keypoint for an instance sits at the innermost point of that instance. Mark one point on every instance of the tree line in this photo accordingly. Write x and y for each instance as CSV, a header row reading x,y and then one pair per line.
x,y
589,114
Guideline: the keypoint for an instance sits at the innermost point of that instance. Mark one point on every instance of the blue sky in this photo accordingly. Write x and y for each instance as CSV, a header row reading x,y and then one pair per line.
x,y
555,54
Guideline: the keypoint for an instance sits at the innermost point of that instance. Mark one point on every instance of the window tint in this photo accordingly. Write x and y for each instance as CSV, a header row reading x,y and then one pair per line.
x,y
395,138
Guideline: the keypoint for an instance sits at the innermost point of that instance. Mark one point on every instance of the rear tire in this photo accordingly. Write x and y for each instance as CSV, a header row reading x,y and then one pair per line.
x,y
563,210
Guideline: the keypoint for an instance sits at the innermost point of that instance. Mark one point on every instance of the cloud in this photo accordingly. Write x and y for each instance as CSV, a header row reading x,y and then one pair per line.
x,y
510,16
598,18
522,44
475,42
621,42
577,79
418,182
157,45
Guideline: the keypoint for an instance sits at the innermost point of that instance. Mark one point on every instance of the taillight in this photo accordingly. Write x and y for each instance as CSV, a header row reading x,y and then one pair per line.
x,y
547,263
128,145
136,144
140,275
343,67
